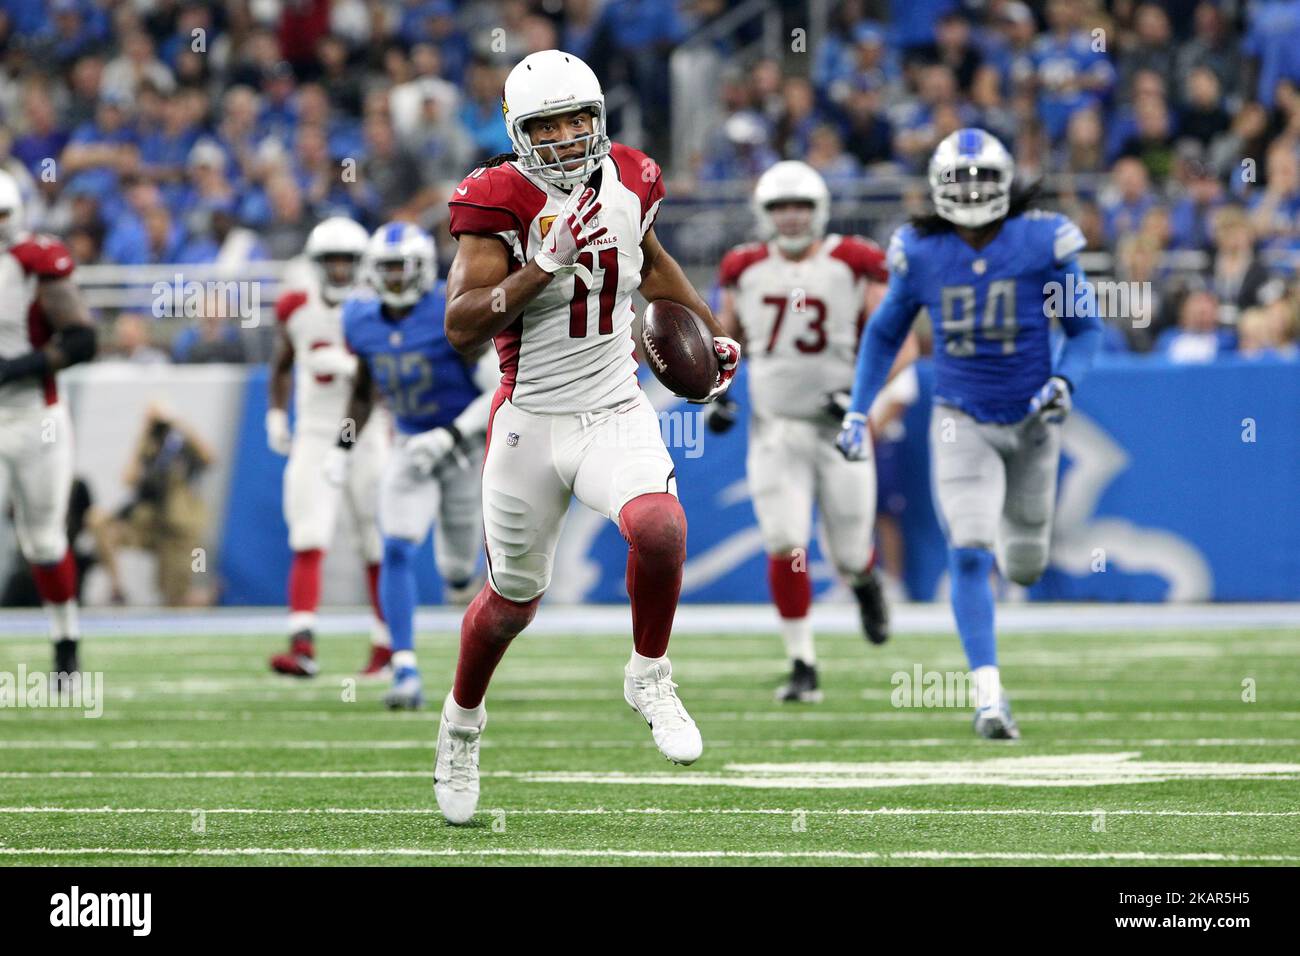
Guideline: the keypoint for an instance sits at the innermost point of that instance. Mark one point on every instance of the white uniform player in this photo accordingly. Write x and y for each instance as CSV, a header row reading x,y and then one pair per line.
x,y
799,299
554,239
310,323
44,326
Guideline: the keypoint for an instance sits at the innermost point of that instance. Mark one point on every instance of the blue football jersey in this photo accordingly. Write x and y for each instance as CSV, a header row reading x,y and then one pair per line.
x,y
990,308
422,379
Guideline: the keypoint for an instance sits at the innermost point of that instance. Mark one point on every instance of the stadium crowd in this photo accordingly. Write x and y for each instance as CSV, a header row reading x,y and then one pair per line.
x,y
176,131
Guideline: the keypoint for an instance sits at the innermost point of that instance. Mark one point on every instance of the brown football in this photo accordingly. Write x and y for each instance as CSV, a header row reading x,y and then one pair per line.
x,y
679,348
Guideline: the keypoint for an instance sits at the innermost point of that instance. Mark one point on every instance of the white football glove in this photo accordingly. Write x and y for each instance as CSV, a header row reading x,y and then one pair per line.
x,y
278,437
728,352
568,235
1053,402
334,466
425,450
331,360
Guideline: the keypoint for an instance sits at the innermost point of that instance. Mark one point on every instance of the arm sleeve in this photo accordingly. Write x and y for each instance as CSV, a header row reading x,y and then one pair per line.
x,y
885,332
1082,326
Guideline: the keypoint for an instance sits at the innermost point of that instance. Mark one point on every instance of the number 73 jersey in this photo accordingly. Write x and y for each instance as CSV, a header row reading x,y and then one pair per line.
x,y
801,320
571,349
991,308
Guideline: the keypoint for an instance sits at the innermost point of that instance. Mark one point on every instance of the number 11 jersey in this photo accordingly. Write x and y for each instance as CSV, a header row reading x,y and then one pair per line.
x,y
571,349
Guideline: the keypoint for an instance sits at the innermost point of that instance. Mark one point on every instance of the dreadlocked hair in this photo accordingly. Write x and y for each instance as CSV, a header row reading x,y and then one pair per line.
x,y
497,160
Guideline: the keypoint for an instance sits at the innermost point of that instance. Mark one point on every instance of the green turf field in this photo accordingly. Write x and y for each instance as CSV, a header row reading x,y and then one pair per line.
x,y
1137,748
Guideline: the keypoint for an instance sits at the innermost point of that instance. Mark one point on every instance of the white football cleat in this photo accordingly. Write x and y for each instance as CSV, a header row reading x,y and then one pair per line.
x,y
654,696
455,769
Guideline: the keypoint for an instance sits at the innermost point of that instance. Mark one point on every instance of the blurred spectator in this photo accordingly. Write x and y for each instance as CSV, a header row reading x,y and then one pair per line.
x,y
1213,48
480,111
1151,48
1190,217
1198,337
135,65
1129,200
131,341
1203,117
742,152
212,338
1068,72
1236,276
1267,332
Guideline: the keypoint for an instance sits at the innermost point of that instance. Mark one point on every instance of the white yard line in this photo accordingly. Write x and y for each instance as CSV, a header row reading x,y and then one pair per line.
x,y
637,744
650,811
598,853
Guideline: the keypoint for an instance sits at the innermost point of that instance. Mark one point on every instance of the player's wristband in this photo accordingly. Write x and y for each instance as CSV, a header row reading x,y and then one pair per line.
x,y
854,418
456,436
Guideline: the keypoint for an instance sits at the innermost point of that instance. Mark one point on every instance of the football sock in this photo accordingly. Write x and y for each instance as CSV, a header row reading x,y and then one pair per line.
x,y
465,716
372,587
654,526
304,589
640,666
797,633
988,686
489,625
403,661
397,592
972,604
56,583
791,590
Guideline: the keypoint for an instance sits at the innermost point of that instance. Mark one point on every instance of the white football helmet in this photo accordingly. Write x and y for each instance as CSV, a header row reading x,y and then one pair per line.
x,y
407,245
11,201
970,178
543,84
336,236
791,181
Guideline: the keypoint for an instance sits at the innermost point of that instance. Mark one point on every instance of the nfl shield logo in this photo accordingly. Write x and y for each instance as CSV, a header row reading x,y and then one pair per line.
x,y
512,439
395,339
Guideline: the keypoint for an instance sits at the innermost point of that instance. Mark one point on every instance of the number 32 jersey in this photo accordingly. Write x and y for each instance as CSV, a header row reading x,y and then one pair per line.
x,y
417,373
989,307
571,349
801,319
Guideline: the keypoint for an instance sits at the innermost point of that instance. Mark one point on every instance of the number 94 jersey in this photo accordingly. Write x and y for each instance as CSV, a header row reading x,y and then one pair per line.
x,y
416,372
989,307
801,320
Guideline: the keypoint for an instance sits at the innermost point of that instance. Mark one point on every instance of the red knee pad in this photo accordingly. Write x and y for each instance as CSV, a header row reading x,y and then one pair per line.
x,y
654,526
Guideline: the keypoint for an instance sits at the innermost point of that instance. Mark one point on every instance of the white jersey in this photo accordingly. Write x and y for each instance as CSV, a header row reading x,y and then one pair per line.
x,y
571,349
801,319
24,327
320,401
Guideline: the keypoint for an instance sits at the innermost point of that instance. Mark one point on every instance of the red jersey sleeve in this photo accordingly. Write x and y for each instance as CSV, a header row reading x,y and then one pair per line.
x,y
493,200
288,304
864,257
641,174
43,256
737,260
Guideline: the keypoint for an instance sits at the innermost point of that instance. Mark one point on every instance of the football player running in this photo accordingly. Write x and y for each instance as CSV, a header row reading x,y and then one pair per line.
x,y
984,267
554,239
311,326
439,401
44,327
797,301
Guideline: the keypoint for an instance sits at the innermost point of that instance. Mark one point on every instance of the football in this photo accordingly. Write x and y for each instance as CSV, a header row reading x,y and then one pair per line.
x,y
679,347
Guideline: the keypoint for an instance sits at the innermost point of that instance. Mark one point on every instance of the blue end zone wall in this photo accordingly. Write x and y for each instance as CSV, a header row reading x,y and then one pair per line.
x,y
1159,473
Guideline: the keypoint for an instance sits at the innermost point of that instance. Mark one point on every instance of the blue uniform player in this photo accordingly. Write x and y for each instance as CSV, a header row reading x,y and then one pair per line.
x,y
440,408
992,278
